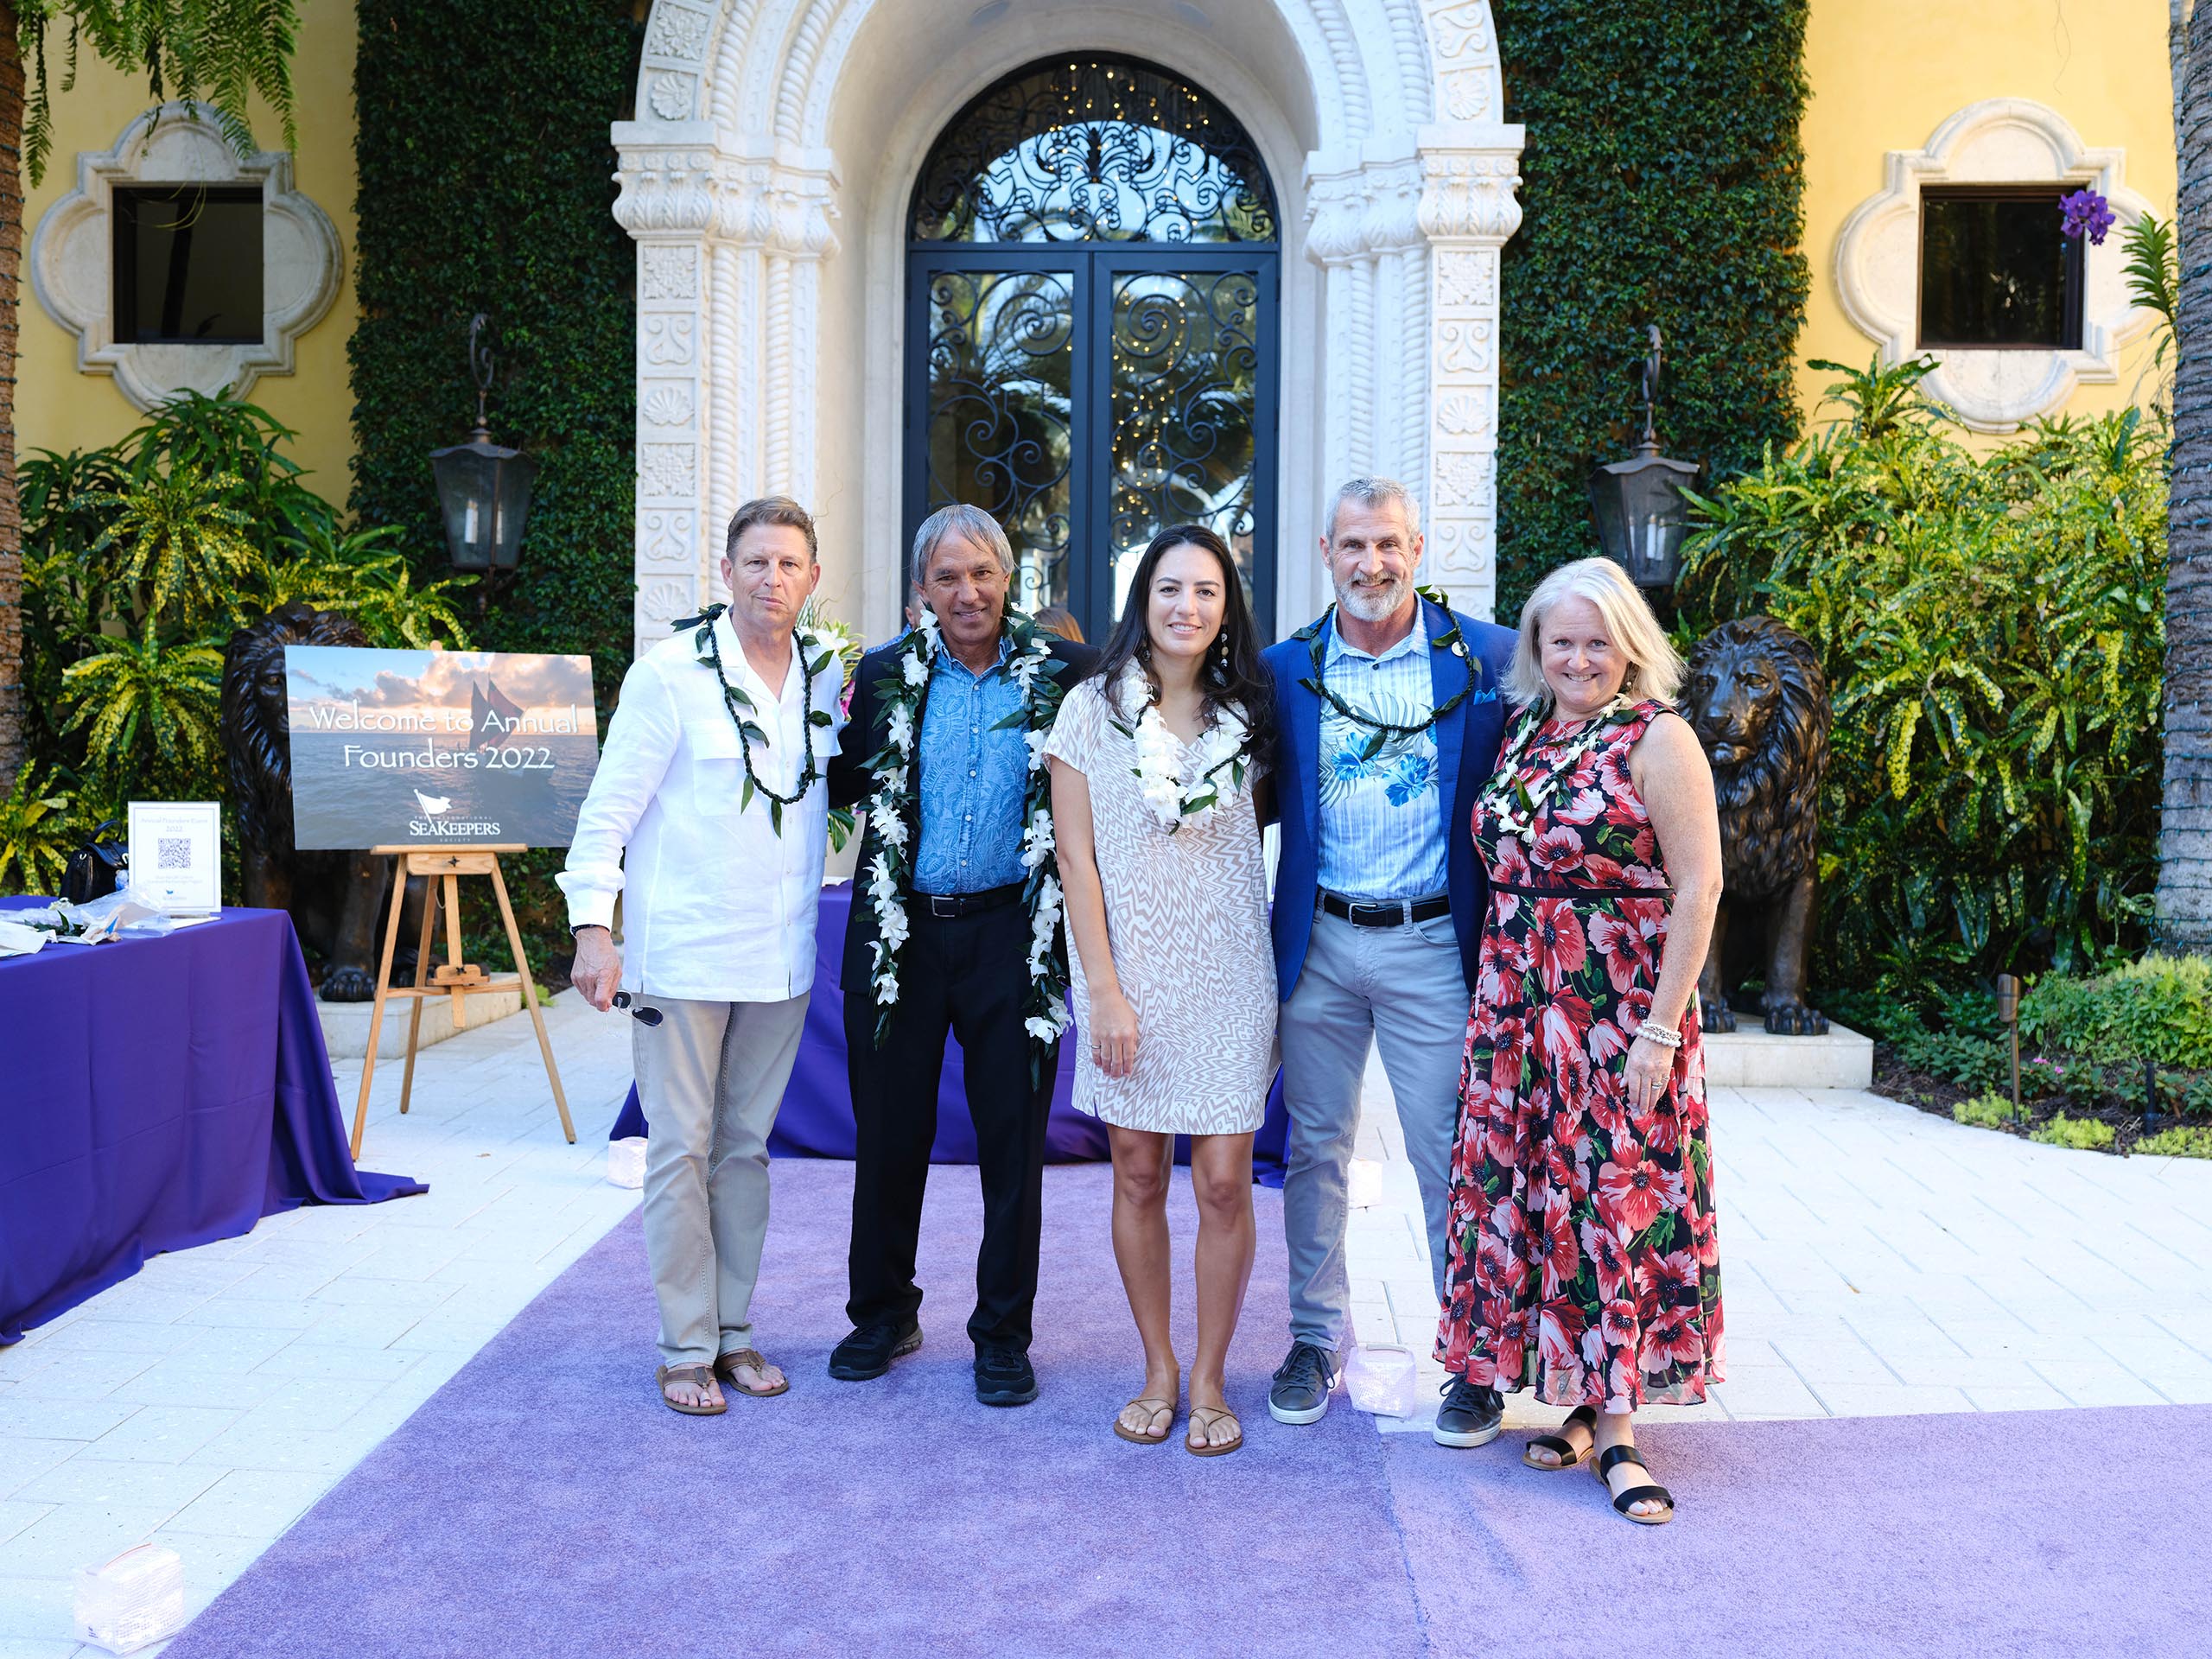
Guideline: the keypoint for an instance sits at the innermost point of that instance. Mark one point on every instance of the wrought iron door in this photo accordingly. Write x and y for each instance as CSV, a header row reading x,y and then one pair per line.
x,y
1091,340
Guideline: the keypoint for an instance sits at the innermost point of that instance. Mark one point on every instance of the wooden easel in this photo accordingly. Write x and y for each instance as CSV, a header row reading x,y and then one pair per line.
x,y
454,977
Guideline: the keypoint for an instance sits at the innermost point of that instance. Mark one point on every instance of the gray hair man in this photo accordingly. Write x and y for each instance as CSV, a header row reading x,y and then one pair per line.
x,y
1391,717
716,828
966,718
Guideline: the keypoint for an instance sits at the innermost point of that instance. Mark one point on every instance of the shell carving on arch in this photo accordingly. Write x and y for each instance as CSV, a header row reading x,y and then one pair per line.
x,y
1463,42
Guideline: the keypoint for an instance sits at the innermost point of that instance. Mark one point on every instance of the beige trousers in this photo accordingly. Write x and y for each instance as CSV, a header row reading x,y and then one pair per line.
x,y
711,1076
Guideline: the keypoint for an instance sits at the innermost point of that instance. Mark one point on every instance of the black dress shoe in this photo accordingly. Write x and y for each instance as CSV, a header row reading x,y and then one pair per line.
x,y
1004,1377
1469,1415
868,1353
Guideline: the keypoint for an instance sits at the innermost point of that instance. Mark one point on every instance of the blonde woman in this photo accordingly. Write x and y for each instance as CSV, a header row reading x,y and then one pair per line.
x,y
1582,1256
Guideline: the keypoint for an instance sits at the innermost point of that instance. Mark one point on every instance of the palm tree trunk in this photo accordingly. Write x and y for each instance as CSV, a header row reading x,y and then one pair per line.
x,y
2185,898
12,516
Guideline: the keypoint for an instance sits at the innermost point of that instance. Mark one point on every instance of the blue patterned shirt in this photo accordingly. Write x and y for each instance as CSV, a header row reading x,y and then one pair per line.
x,y
974,779
1381,824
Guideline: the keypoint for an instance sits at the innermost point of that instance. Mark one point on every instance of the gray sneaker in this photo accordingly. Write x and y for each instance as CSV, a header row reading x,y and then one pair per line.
x,y
1302,1382
1469,1415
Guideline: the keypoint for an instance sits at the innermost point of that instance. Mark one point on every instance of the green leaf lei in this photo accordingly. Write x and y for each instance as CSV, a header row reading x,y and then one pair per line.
x,y
1384,730
741,711
893,804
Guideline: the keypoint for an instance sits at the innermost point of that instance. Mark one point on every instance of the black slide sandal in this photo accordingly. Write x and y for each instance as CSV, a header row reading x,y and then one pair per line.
x,y
1569,1454
1635,1494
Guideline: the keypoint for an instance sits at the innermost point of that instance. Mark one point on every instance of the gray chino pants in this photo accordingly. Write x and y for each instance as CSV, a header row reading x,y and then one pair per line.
x,y
711,1076
1401,987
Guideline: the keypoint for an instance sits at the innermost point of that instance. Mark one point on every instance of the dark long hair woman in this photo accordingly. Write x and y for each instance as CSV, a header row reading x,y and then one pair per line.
x,y
1233,674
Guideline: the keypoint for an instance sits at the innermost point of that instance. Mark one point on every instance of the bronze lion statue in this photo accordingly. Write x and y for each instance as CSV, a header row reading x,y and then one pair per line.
x,y
1754,692
335,899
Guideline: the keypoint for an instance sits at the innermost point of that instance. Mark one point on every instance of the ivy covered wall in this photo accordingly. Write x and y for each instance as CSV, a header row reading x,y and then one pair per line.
x,y
1663,182
484,181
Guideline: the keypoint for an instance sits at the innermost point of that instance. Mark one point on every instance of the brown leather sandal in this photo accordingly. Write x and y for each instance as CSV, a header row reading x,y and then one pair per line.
x,y
726,1369
699,1376
1152,1406
1212,1414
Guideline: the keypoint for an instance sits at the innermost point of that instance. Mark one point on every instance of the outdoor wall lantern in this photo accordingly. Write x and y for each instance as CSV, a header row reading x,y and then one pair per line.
x,y
483,490
1641,517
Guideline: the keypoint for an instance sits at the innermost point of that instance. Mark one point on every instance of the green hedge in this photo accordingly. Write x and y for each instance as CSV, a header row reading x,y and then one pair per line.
x,y
1663,182
484,171
2159,1008
485,174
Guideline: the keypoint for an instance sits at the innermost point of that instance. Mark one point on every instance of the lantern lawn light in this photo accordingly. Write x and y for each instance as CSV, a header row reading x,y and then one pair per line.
x,y
1641,517
483,490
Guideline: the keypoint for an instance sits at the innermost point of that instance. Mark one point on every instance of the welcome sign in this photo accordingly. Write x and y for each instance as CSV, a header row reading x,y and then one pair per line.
x,y
437,746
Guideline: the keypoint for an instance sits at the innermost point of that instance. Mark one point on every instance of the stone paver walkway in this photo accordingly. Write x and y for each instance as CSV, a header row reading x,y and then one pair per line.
x,y
1875,1260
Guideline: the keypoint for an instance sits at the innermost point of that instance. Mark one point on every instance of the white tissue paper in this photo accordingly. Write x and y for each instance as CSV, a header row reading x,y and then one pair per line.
x,y
16,940
1383,1380
133,1601
625,1161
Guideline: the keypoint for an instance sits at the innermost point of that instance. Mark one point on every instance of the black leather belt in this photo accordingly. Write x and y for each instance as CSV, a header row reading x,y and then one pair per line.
x,y
945,905
1386,913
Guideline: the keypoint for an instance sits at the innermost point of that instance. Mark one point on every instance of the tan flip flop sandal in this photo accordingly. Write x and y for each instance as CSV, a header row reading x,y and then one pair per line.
x,y
699,1376
726,1369
1212,1414
1152,1407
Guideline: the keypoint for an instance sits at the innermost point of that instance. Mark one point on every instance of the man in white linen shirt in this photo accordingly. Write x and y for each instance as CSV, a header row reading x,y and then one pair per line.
x,y
722,882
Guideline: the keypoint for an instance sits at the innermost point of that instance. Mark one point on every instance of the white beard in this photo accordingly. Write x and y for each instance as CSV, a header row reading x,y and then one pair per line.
x,y
1372,603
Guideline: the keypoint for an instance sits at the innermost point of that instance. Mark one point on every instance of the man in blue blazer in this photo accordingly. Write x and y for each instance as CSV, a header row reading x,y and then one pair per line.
x,y
1391,717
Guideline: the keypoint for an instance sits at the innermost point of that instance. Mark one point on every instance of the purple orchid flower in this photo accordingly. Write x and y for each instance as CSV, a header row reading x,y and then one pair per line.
x,y
2086,213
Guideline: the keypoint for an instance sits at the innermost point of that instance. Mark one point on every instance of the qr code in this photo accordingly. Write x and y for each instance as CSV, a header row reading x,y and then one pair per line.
x,y
173,853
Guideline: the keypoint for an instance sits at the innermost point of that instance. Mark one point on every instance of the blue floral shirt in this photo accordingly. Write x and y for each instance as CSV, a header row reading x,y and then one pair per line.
x,y
1381,824
975,780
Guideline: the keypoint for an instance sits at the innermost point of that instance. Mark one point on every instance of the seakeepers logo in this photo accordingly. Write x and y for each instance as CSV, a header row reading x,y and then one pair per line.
x,y
434,825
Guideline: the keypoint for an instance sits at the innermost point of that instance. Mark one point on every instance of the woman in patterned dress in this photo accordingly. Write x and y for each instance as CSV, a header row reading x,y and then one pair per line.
x,y
1583,1261
1156,759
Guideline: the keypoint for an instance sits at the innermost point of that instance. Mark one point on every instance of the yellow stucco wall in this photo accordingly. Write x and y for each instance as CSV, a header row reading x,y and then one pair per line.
x,y
1885,73
58,407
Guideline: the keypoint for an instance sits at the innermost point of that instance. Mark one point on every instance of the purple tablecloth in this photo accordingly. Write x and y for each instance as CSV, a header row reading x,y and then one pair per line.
x,y
156,1094
816,1120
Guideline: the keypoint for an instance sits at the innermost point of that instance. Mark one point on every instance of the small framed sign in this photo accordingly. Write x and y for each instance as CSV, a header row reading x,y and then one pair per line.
x,y
176,854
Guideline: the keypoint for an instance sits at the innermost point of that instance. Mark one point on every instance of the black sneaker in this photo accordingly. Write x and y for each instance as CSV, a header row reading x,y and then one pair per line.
x,y
1469,1415
1004,1377
1302,1382
868,1352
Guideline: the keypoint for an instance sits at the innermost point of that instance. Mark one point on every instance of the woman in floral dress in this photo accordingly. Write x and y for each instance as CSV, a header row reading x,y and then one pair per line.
x,y
1583,1260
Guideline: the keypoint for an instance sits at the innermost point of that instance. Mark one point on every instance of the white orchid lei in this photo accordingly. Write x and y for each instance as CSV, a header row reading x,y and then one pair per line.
x,y
1513,805
892,817
1175,799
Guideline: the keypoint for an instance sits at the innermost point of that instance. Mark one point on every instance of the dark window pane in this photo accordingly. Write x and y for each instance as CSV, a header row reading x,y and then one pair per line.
x,y
187,265
1994,271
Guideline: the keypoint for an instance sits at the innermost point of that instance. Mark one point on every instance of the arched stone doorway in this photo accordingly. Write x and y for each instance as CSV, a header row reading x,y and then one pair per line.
x,y
768,182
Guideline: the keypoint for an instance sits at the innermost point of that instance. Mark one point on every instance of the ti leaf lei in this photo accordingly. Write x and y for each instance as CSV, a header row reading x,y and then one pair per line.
x,y
815,655
1381,731
893,807
1509,801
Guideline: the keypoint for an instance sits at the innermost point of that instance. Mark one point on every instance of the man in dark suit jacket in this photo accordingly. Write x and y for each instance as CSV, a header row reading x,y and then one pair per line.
x,y
1391,719
962,967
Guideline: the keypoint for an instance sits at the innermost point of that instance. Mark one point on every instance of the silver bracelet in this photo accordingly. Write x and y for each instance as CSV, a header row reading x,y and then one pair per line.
x,y
1659,1035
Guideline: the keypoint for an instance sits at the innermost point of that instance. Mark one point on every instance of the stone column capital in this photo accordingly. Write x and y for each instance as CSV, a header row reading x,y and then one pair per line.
x,y
1469,175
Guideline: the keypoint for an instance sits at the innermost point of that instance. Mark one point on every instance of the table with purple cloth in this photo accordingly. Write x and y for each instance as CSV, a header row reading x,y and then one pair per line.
x,y
816,1120
159,1093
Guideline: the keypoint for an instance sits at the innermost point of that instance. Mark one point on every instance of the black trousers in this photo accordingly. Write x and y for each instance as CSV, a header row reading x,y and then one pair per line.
x,y
967,975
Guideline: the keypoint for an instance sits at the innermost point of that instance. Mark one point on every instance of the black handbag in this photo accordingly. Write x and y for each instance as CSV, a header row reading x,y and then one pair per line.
x,y
92,868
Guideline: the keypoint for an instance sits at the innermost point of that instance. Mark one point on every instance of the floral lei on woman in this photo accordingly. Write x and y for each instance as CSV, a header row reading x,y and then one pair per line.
x,y
1174,802
1507,800
893,802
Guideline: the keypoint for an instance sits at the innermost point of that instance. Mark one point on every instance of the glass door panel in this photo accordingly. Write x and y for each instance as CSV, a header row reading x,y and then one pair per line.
x,y
1184,349
997,415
